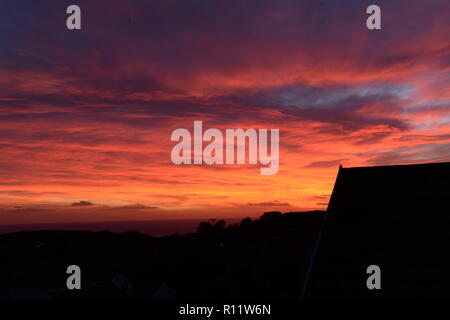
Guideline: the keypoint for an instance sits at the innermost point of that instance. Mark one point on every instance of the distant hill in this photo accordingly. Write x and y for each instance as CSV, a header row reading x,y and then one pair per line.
x,y
265,258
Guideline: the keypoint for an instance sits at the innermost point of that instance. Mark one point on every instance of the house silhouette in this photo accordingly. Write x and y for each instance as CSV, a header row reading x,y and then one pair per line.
x,y
395,217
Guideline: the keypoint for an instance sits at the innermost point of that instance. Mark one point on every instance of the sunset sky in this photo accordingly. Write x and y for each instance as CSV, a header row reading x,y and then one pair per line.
x,y
86,116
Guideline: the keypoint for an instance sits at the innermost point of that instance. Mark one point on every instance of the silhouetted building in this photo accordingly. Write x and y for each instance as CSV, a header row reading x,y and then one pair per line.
x,y
395,217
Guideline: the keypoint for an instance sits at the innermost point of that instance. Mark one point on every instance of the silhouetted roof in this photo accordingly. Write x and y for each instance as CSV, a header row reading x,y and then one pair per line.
x,y
398,189
396,217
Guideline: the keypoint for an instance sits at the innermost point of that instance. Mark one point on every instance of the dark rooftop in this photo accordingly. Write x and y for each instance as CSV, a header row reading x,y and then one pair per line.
x,y
396,217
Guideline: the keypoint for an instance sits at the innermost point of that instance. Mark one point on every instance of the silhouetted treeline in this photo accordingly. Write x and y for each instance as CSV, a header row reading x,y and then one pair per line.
x,y
261,258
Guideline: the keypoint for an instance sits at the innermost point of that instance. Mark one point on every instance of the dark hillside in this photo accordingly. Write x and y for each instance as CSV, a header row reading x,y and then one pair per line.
x,y
264,258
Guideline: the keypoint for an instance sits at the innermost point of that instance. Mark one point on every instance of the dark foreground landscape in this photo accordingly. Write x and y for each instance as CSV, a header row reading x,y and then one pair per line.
x,y
392,218
254,259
